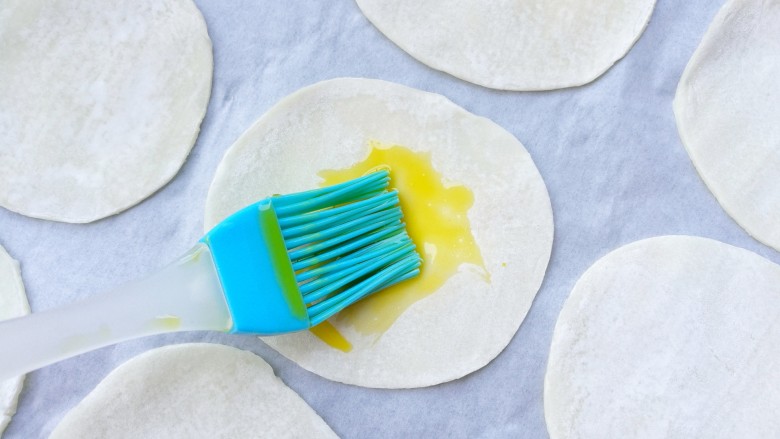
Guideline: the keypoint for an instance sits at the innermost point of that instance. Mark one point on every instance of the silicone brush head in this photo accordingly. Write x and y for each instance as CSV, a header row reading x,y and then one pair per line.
x,y
314,254
345,242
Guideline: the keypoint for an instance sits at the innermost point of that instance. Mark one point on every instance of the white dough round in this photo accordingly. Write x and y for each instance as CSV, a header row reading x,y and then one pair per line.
x,y
193,391
329,126
100,102
728,107
514,44
669,337
13,303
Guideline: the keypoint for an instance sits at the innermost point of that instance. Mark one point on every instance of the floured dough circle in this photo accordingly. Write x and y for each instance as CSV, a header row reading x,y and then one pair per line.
x,y
669,337
329,126
100,102
13,303
728,107
193,391
514,44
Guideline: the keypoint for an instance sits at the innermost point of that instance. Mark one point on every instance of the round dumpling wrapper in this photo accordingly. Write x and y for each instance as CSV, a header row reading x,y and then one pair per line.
x,y
100,102
468,321
727,108
13,303
193,391
674,336
511,44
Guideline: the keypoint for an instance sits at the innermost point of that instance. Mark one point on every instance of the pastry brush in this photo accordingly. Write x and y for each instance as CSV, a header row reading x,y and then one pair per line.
x,y
283,264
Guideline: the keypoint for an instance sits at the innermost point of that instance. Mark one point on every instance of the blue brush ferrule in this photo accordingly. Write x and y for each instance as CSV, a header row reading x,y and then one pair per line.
x,y
255,272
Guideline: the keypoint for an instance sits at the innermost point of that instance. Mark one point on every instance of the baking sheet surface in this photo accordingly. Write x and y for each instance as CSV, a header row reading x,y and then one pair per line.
x,y
608,151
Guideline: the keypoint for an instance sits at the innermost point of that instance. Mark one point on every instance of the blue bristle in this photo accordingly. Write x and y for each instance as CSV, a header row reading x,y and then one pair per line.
x,y
389,275
317,199
346,248
357,257
339,232
307,223
346,242
325,284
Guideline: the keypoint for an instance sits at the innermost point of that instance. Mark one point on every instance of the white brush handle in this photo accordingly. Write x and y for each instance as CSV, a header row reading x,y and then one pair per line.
x,y
185,296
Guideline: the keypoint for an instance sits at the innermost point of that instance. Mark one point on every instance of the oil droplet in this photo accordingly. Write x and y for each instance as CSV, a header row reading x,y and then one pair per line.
x,y
436,219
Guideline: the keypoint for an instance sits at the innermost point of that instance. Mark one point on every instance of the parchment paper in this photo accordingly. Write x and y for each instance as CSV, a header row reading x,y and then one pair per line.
x,y
608,151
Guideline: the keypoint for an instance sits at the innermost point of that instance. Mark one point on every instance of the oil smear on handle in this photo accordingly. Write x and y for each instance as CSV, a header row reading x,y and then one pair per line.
x,y
436,219
166,323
